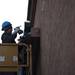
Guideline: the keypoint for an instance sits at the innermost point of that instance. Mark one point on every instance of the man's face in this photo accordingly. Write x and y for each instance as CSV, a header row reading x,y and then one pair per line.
x,y
9,30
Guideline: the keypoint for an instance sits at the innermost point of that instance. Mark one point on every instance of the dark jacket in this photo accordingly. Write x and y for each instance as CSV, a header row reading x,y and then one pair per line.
x,y
8,37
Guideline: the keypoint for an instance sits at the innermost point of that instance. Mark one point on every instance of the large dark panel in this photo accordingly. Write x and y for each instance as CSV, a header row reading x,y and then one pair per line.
x,y
31,10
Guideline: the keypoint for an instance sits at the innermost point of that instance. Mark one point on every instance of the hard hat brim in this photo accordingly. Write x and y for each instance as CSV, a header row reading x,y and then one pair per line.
x,y
4,29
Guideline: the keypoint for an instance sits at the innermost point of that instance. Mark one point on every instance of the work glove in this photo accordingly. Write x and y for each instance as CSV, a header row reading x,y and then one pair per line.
x,y
18,30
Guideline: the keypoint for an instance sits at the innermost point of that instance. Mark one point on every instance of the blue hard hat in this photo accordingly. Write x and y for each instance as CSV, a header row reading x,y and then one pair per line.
x,y
6,25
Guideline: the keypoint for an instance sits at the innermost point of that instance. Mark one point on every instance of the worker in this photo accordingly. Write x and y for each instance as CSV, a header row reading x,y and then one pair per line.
x,y
8,36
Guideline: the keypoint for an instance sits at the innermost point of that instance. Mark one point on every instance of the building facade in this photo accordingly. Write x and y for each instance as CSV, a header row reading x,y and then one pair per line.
x,y
56,21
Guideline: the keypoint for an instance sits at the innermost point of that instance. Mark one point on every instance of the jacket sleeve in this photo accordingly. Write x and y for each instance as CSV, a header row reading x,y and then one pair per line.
x,y
14,35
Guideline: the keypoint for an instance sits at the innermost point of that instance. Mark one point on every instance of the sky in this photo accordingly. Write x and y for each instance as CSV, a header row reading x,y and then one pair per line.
x,y
14,11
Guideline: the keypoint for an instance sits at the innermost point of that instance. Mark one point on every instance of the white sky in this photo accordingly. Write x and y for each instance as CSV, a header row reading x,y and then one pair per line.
x,y
14,11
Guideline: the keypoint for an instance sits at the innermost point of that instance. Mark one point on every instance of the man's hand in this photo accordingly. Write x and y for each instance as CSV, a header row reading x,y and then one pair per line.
x,y
18,30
